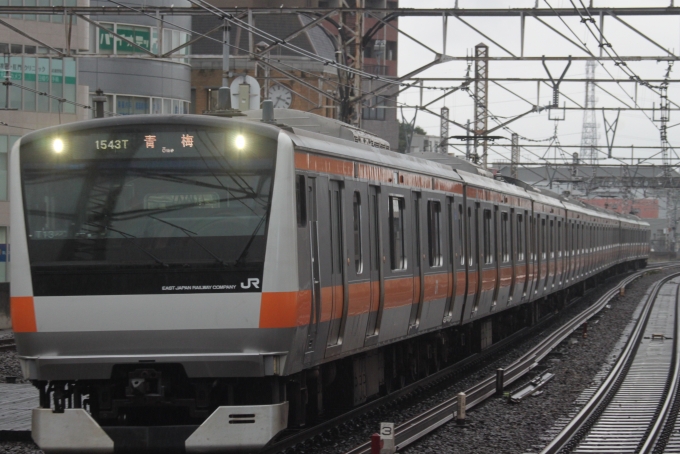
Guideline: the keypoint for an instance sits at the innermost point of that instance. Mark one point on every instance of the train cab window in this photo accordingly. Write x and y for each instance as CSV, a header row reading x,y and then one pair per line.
x,y
505,249
301,200
434,209
520,237
397,246
358,256
488,255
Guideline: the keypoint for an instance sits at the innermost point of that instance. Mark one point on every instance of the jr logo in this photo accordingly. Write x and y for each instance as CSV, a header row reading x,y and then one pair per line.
x,y
255,282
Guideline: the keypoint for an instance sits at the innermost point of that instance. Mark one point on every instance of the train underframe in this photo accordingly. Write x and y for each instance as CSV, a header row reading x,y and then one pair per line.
x,y
156,407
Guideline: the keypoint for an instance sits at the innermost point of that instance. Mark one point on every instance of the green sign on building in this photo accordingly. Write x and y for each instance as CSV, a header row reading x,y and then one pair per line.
x,y
138,35
106,39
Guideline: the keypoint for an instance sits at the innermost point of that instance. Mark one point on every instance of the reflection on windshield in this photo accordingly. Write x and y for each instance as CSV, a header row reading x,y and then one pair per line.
x,y
199,203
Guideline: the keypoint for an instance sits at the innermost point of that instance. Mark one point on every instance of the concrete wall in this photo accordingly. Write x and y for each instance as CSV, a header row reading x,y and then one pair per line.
x,y
136,77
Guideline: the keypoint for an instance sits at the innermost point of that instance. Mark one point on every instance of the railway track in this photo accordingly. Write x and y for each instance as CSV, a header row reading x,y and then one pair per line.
x,y
416,428
635,408
7,345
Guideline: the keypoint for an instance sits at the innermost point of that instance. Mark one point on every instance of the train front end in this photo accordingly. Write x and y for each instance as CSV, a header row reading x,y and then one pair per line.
x,y
138,266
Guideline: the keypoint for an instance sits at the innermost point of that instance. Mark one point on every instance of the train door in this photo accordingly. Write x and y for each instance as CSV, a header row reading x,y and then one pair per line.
x,y
531,259
540,222
473,265
338,306
512,235
375,253
459,260
308,185
496,255
357,287
418,281
487,257
524,255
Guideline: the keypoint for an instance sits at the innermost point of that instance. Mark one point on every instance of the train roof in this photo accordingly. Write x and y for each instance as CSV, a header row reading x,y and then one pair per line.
x,y
314,132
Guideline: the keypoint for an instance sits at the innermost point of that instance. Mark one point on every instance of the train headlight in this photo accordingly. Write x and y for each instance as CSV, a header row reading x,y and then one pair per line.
x,y
240,142
58,145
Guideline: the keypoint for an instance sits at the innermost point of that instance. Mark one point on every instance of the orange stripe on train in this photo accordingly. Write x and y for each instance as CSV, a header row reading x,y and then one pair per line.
x,y
23,314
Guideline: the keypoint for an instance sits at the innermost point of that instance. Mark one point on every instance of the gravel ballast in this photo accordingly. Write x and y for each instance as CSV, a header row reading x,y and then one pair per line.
x,y
495,426
498,426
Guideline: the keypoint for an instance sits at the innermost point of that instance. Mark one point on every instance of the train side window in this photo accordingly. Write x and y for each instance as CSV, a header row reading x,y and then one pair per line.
x,y
559,238
434,209
358,256
544,240
301,200
397,246
520,237
551,239
488,255
376,226
461,250
532,238
505,250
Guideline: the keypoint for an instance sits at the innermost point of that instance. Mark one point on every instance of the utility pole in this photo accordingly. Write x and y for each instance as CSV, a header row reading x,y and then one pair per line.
x,y
351,34
481,102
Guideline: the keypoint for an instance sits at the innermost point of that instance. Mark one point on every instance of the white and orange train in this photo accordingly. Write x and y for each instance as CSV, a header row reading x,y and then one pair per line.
x,y
199,284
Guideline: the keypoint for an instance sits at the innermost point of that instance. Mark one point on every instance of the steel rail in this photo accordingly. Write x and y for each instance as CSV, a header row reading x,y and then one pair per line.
x,y
7,345
438,415
591,411
291,440
660,430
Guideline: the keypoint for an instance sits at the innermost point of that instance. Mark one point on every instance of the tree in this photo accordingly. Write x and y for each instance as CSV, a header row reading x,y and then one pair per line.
x,y
404,132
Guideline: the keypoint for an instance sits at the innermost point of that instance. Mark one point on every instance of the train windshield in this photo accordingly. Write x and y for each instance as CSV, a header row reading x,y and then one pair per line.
x,y
148,195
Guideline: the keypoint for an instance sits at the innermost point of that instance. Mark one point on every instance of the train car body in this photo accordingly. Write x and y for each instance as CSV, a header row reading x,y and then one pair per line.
x,y
207,282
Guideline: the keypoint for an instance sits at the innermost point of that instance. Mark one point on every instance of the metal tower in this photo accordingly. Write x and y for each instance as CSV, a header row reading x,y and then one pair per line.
x,y
481,101
514,155
444,131
589,130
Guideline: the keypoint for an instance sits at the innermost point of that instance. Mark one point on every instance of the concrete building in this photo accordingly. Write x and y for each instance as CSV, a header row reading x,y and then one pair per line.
x,y
139,85
378,114
425,144
53,77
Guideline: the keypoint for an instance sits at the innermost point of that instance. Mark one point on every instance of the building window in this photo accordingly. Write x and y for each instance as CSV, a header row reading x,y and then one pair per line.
x,y
54,76
375,109
145,37
139,105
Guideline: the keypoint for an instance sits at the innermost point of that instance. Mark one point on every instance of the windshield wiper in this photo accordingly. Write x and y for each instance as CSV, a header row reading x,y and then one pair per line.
x,y
187,232
244,252
128,235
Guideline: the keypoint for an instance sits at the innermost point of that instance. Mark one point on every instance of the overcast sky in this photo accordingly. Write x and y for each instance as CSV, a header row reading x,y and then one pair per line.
x,y
634,127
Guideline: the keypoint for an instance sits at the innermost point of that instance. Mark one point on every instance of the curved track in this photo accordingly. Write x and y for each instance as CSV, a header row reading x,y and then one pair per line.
x,y
632,409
